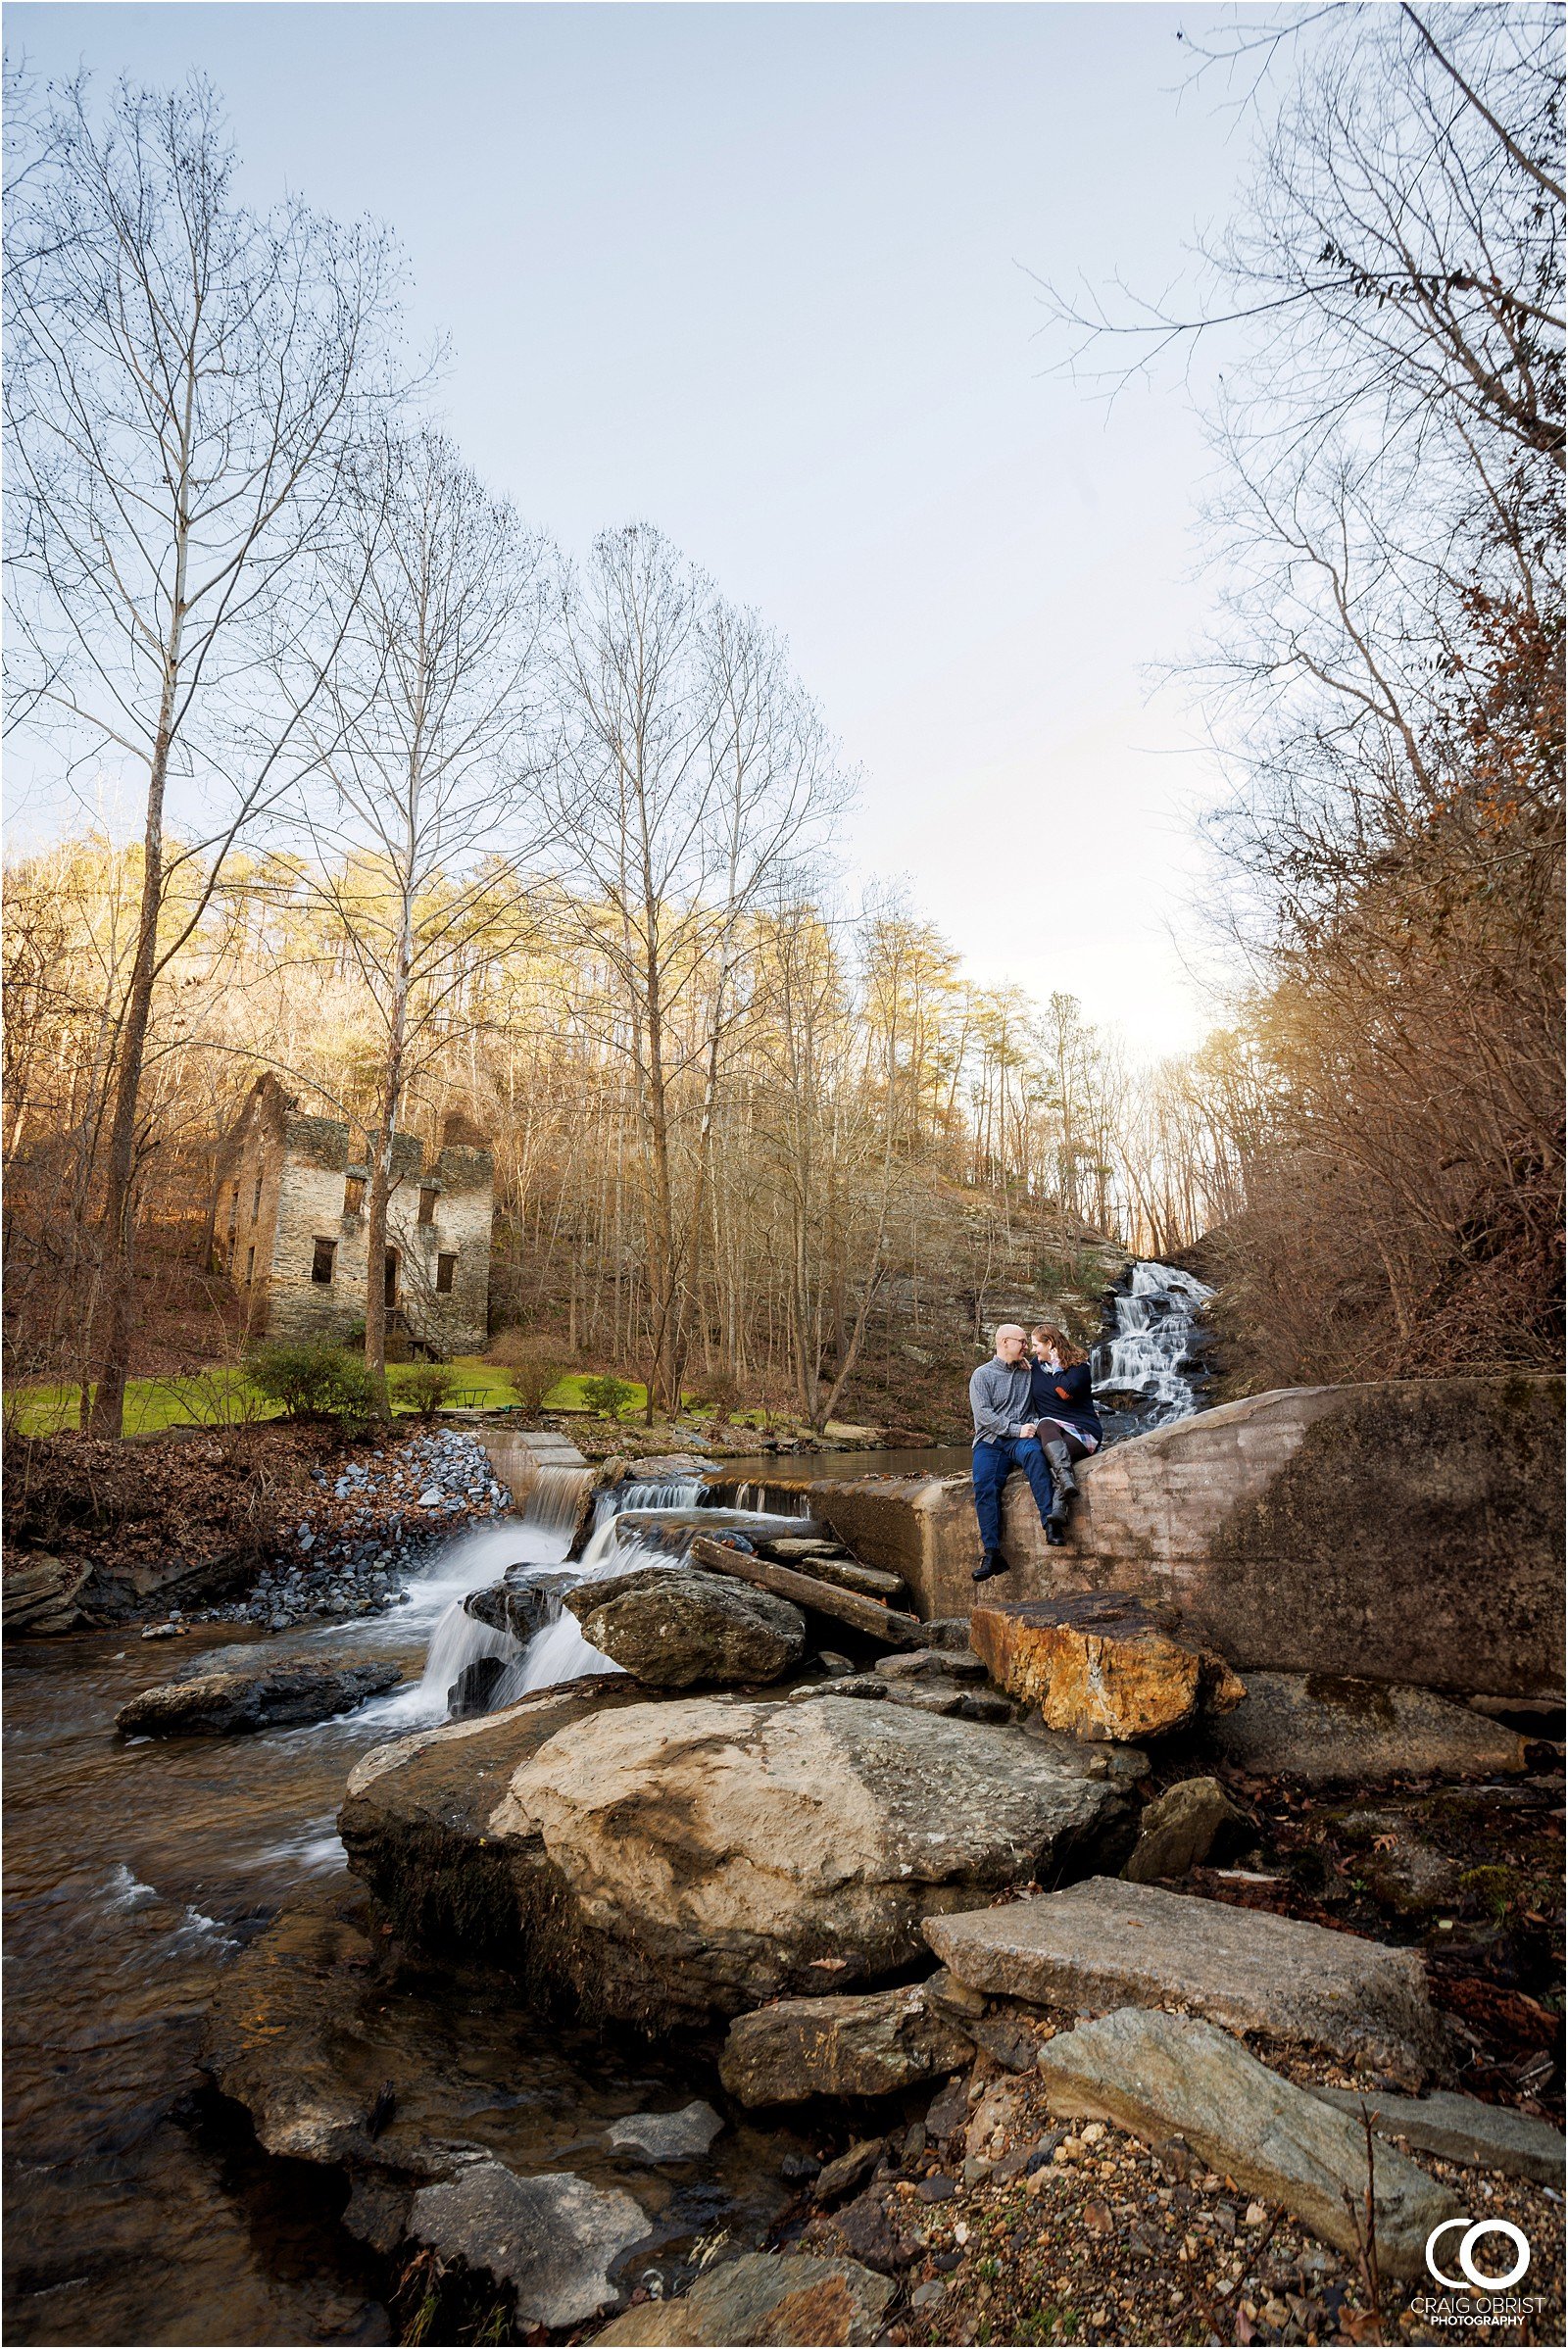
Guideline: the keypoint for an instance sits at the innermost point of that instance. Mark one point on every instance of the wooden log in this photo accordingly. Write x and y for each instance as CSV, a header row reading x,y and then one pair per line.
x,y
867,1615
871,1581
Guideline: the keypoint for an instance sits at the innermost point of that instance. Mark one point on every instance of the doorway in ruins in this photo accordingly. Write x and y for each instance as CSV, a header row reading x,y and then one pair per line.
x,y
390,1290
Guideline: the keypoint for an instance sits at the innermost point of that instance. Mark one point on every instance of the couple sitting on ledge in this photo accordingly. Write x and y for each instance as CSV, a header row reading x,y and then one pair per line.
x,y
1033,1409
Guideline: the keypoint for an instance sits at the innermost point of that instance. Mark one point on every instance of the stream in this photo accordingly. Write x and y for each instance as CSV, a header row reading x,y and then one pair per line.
x,y
139,2208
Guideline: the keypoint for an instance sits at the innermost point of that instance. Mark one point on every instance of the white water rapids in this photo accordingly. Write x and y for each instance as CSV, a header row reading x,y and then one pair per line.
x,y
1149,1352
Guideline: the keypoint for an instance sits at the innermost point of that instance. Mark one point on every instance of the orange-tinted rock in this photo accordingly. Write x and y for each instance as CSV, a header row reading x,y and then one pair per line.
x,y
1099,1666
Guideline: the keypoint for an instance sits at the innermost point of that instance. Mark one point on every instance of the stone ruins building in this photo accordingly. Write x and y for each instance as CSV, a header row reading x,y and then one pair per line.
x,y
289,1227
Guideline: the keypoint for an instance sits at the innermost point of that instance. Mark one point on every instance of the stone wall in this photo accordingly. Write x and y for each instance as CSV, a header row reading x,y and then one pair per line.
x,y
283,1185
1403,1531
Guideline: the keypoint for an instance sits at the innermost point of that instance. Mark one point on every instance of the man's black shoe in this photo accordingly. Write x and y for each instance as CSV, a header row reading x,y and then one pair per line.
x,y
1055,1533
992,1563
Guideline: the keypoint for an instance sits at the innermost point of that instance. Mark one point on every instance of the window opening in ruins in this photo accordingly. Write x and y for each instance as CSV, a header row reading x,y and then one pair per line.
x,y
233,1212
256,1199
428,1202
391,1292
250,1265
354,1196
322,1261
444,1269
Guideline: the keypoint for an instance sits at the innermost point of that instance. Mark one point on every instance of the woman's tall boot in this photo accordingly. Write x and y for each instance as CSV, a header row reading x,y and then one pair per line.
x,y
1063,1483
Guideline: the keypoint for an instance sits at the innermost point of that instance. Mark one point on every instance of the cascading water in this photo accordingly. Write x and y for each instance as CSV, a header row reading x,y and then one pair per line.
x,y
540,1535
1149,1370
775,1501
678,1493
554,1501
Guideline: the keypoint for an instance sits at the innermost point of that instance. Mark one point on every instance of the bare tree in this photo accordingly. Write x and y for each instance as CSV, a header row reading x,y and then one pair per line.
x,y
1384,687
421,783
187,380
692,773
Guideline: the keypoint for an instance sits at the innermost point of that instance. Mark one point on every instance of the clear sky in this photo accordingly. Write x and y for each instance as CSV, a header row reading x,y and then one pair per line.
x,y
760,274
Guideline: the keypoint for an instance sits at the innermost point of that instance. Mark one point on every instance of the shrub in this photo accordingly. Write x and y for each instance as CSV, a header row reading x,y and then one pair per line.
x,y
531,1382
427,1386
312,1380
718,1393
534,1363
608,1397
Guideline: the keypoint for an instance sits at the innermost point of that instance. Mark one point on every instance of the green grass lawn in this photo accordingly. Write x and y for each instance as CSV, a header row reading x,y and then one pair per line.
x,y
215,1398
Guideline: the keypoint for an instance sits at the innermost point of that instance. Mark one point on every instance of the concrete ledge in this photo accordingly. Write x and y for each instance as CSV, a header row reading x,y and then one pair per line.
x,y
1407,1530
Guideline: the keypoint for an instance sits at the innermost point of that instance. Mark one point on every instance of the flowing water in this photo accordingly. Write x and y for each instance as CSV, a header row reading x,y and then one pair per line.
x,y
1149,1370
139,2210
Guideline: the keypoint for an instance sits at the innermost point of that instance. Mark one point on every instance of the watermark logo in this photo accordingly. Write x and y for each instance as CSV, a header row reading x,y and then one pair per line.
x,y
1473,2298
1469,2273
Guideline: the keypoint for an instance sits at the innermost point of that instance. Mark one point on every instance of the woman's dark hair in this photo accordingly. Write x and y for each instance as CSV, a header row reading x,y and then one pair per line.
x,y
1060,1345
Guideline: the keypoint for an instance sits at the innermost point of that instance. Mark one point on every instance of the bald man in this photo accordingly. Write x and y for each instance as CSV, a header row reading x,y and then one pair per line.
x,y
1004,1440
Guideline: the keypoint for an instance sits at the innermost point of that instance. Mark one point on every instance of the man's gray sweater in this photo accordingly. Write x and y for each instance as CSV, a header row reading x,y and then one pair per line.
x,y
998,1398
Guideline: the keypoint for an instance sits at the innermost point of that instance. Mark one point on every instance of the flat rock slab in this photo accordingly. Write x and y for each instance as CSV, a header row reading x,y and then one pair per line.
x,y
1104,1945
1165,2076
1099,1666
931,1664
553,2238
671,1627
283,2022
734,1852
1086,1757
1325,1731
279,1692
1462,2129
764,2301
666,2136
848,2046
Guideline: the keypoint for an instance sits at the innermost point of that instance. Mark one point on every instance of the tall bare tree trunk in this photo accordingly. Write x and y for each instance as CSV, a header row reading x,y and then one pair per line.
x,y
108,1414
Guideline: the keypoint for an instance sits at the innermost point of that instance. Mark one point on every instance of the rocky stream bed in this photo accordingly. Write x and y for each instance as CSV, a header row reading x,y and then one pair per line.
x,y
739,1960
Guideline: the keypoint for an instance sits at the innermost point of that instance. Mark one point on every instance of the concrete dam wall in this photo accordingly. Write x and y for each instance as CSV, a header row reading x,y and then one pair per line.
x,y
1407,1530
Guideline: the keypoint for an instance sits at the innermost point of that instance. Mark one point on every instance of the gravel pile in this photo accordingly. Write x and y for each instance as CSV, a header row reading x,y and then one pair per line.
x,y
377,1518
1019,2228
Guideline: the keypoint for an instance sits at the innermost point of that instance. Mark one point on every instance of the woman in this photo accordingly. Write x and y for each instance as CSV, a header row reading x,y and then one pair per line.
x,y
1066,1419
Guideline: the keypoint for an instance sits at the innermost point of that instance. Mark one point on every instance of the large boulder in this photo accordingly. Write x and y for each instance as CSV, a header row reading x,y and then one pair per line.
x,y
1325,1731
415,1815
763,2301
1101,1945
673,1626
1165,2075
1099,1666
712,1855
277,1693
846,2046
554,2239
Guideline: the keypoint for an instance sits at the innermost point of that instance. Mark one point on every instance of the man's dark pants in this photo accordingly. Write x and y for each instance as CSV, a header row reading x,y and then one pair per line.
x,y
994,1463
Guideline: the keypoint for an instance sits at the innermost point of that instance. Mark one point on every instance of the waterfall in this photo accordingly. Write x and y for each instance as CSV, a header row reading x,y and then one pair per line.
x,y
559,1652
553,1499
680,1492
1148,1368
458,1640
773,1500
